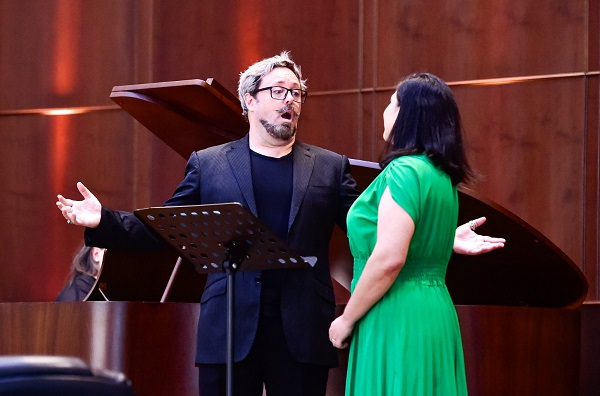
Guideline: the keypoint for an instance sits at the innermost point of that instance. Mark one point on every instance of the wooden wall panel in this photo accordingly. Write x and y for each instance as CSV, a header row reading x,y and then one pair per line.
x,y
323,122
61,53
591,203
465,40
530,151
591,246
221,38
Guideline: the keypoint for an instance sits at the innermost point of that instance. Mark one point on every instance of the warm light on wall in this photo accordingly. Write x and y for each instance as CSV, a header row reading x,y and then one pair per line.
x,y
59,111
516,80
489,81
248,34
54,112
59,128
66,45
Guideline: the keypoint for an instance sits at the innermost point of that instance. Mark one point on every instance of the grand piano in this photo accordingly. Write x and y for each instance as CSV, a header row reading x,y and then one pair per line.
x,y
518,307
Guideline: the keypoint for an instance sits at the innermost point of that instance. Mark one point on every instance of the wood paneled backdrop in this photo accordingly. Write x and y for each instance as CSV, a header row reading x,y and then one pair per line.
x,y
525,74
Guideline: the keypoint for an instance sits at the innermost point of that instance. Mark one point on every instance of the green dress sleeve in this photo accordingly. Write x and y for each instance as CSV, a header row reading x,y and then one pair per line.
x,y
402,178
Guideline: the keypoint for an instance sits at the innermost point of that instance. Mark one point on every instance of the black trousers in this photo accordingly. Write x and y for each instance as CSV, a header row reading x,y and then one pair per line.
x,y
270,363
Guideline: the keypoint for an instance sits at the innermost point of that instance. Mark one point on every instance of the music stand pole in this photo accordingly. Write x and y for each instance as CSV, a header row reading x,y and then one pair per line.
x,y
233,260
230,299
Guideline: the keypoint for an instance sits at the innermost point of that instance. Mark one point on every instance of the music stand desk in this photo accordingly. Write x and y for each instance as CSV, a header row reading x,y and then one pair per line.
x,y
222,237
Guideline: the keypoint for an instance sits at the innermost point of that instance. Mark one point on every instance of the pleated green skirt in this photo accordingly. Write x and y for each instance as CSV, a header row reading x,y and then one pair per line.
x,y
409,343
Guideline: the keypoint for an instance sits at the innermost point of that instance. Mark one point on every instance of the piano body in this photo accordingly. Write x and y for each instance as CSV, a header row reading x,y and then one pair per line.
x,y
517,306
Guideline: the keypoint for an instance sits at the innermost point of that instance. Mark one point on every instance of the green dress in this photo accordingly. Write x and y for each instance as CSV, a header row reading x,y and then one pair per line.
x,y
409,342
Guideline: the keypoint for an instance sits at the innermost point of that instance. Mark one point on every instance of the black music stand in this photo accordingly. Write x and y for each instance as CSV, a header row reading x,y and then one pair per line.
x,y
222,237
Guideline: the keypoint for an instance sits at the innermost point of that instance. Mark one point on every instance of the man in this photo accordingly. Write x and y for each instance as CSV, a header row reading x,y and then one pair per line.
x,y
300,192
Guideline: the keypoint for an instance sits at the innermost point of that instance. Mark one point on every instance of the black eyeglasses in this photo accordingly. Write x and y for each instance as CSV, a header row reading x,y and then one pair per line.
x,y
280,93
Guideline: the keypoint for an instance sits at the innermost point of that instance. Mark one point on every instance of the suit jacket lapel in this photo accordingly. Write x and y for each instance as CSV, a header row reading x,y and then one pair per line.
x,y
303,166
238,155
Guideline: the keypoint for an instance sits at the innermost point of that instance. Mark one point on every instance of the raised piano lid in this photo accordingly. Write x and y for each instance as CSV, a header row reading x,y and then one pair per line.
x,y
187,115
529,271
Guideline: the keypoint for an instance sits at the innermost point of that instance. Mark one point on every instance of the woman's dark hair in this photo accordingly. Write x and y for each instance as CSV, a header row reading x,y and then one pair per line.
x,y
83,263
429,123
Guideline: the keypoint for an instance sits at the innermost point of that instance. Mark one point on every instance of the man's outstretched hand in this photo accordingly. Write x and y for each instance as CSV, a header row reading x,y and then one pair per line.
x,y
85,213
468,242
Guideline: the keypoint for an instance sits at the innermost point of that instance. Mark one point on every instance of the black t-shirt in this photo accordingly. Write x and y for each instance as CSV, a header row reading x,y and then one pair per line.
x,y
272,180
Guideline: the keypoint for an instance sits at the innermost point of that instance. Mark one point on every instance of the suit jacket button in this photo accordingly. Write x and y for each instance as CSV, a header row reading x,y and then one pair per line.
x,y
258,279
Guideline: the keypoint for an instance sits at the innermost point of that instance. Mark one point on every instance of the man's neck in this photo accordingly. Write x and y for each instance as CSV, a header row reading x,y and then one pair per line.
x,y
270,147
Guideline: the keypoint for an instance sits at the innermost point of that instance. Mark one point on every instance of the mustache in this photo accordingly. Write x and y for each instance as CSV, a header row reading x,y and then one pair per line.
x,y
287,108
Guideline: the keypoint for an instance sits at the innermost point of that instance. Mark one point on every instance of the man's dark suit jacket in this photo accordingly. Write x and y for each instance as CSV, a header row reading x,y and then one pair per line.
x,y
323,192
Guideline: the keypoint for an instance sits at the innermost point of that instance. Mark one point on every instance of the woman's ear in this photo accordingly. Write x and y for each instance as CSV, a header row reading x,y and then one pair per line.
x,y
97,254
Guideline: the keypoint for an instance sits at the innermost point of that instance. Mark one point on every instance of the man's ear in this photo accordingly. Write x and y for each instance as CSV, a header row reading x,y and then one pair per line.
x,y
250,100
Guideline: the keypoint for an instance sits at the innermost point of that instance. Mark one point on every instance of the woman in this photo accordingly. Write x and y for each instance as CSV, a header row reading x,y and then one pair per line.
x,y
404,327
84,271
